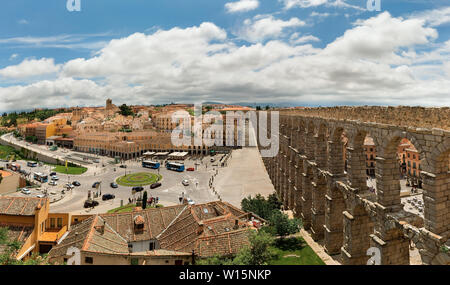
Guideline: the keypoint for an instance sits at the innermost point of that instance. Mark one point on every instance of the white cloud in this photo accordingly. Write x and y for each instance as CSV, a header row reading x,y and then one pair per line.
x,y
242,6
75,41
435,17
296,39
289,4
377,61
263,27
30,68
22,22
381,37
13,56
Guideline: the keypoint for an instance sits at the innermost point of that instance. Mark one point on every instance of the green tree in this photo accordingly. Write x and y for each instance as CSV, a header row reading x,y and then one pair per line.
x,y
144,200
281,224
259,252
126,110
261,206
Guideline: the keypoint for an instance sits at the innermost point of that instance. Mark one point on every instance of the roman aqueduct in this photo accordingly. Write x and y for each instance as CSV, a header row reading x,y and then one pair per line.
x,y
333,200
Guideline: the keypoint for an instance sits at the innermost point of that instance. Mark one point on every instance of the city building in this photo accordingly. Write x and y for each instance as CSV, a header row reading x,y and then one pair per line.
x,y
29,222
371,154
10,182
413,167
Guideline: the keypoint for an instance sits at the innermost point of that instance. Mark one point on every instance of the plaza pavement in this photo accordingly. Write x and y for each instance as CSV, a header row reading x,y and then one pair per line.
x,y
245,175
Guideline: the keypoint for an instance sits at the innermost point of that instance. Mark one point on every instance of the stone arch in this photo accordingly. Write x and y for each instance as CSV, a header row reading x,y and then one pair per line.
x,y
356,159
358,226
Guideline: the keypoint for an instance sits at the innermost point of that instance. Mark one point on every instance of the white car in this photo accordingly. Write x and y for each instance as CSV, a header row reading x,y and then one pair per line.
x,y
55,177
212,159
185,182
68,185
53,183
40,196
190,201
26,191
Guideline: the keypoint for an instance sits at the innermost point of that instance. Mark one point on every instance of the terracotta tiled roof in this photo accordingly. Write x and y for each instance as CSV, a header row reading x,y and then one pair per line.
x,y
20,206
222,244
16,232
208,229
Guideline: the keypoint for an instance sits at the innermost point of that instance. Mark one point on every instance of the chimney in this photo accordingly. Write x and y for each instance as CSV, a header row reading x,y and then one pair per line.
x,y
200,228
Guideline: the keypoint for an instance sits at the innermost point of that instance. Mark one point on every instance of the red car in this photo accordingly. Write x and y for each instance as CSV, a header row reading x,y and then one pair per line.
x,y
190,169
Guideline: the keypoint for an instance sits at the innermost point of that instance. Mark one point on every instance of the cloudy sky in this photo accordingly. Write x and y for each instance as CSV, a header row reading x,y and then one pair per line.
x,y
302,52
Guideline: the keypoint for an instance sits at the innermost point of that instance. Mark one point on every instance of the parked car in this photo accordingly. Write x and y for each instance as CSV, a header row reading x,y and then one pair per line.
x,y
212,159
190,169
138,188
53,183
68,185
96,184
190,201
76,183
40,196
90,203
155,185
52,173
185,182
108,197
56,178
26,191
113,185
123,166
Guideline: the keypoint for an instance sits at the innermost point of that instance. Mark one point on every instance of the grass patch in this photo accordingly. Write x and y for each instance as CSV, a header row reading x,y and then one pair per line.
x,y
129,208
123,209
295,251
138,179
7,152
73,170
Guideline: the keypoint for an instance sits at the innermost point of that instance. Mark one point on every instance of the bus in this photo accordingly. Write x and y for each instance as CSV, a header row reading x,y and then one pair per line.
x,y
151,164
175,166
40,177
32,163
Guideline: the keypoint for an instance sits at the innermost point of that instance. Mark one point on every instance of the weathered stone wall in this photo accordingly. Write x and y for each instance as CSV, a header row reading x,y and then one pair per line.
x,y
418,117
336,205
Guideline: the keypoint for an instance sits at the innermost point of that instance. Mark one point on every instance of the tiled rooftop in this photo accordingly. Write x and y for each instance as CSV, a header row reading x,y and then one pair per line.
x,y
208,229
20,206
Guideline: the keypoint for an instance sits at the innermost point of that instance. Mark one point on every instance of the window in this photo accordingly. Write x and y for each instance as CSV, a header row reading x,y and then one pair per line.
x,y
152,246
59,222
52,223
414,165
89,260
134,261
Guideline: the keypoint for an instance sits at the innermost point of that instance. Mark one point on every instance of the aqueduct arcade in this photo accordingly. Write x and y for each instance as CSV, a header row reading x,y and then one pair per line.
x,y
328,189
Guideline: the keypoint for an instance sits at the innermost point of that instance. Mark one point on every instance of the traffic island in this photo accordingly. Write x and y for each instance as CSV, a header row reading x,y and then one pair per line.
x,y
138,179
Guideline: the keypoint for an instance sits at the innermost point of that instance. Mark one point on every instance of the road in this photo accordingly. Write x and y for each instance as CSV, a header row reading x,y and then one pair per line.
x,y
169,193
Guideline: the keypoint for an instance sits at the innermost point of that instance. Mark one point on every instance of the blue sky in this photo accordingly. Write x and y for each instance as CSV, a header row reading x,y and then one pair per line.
x,y
286,51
